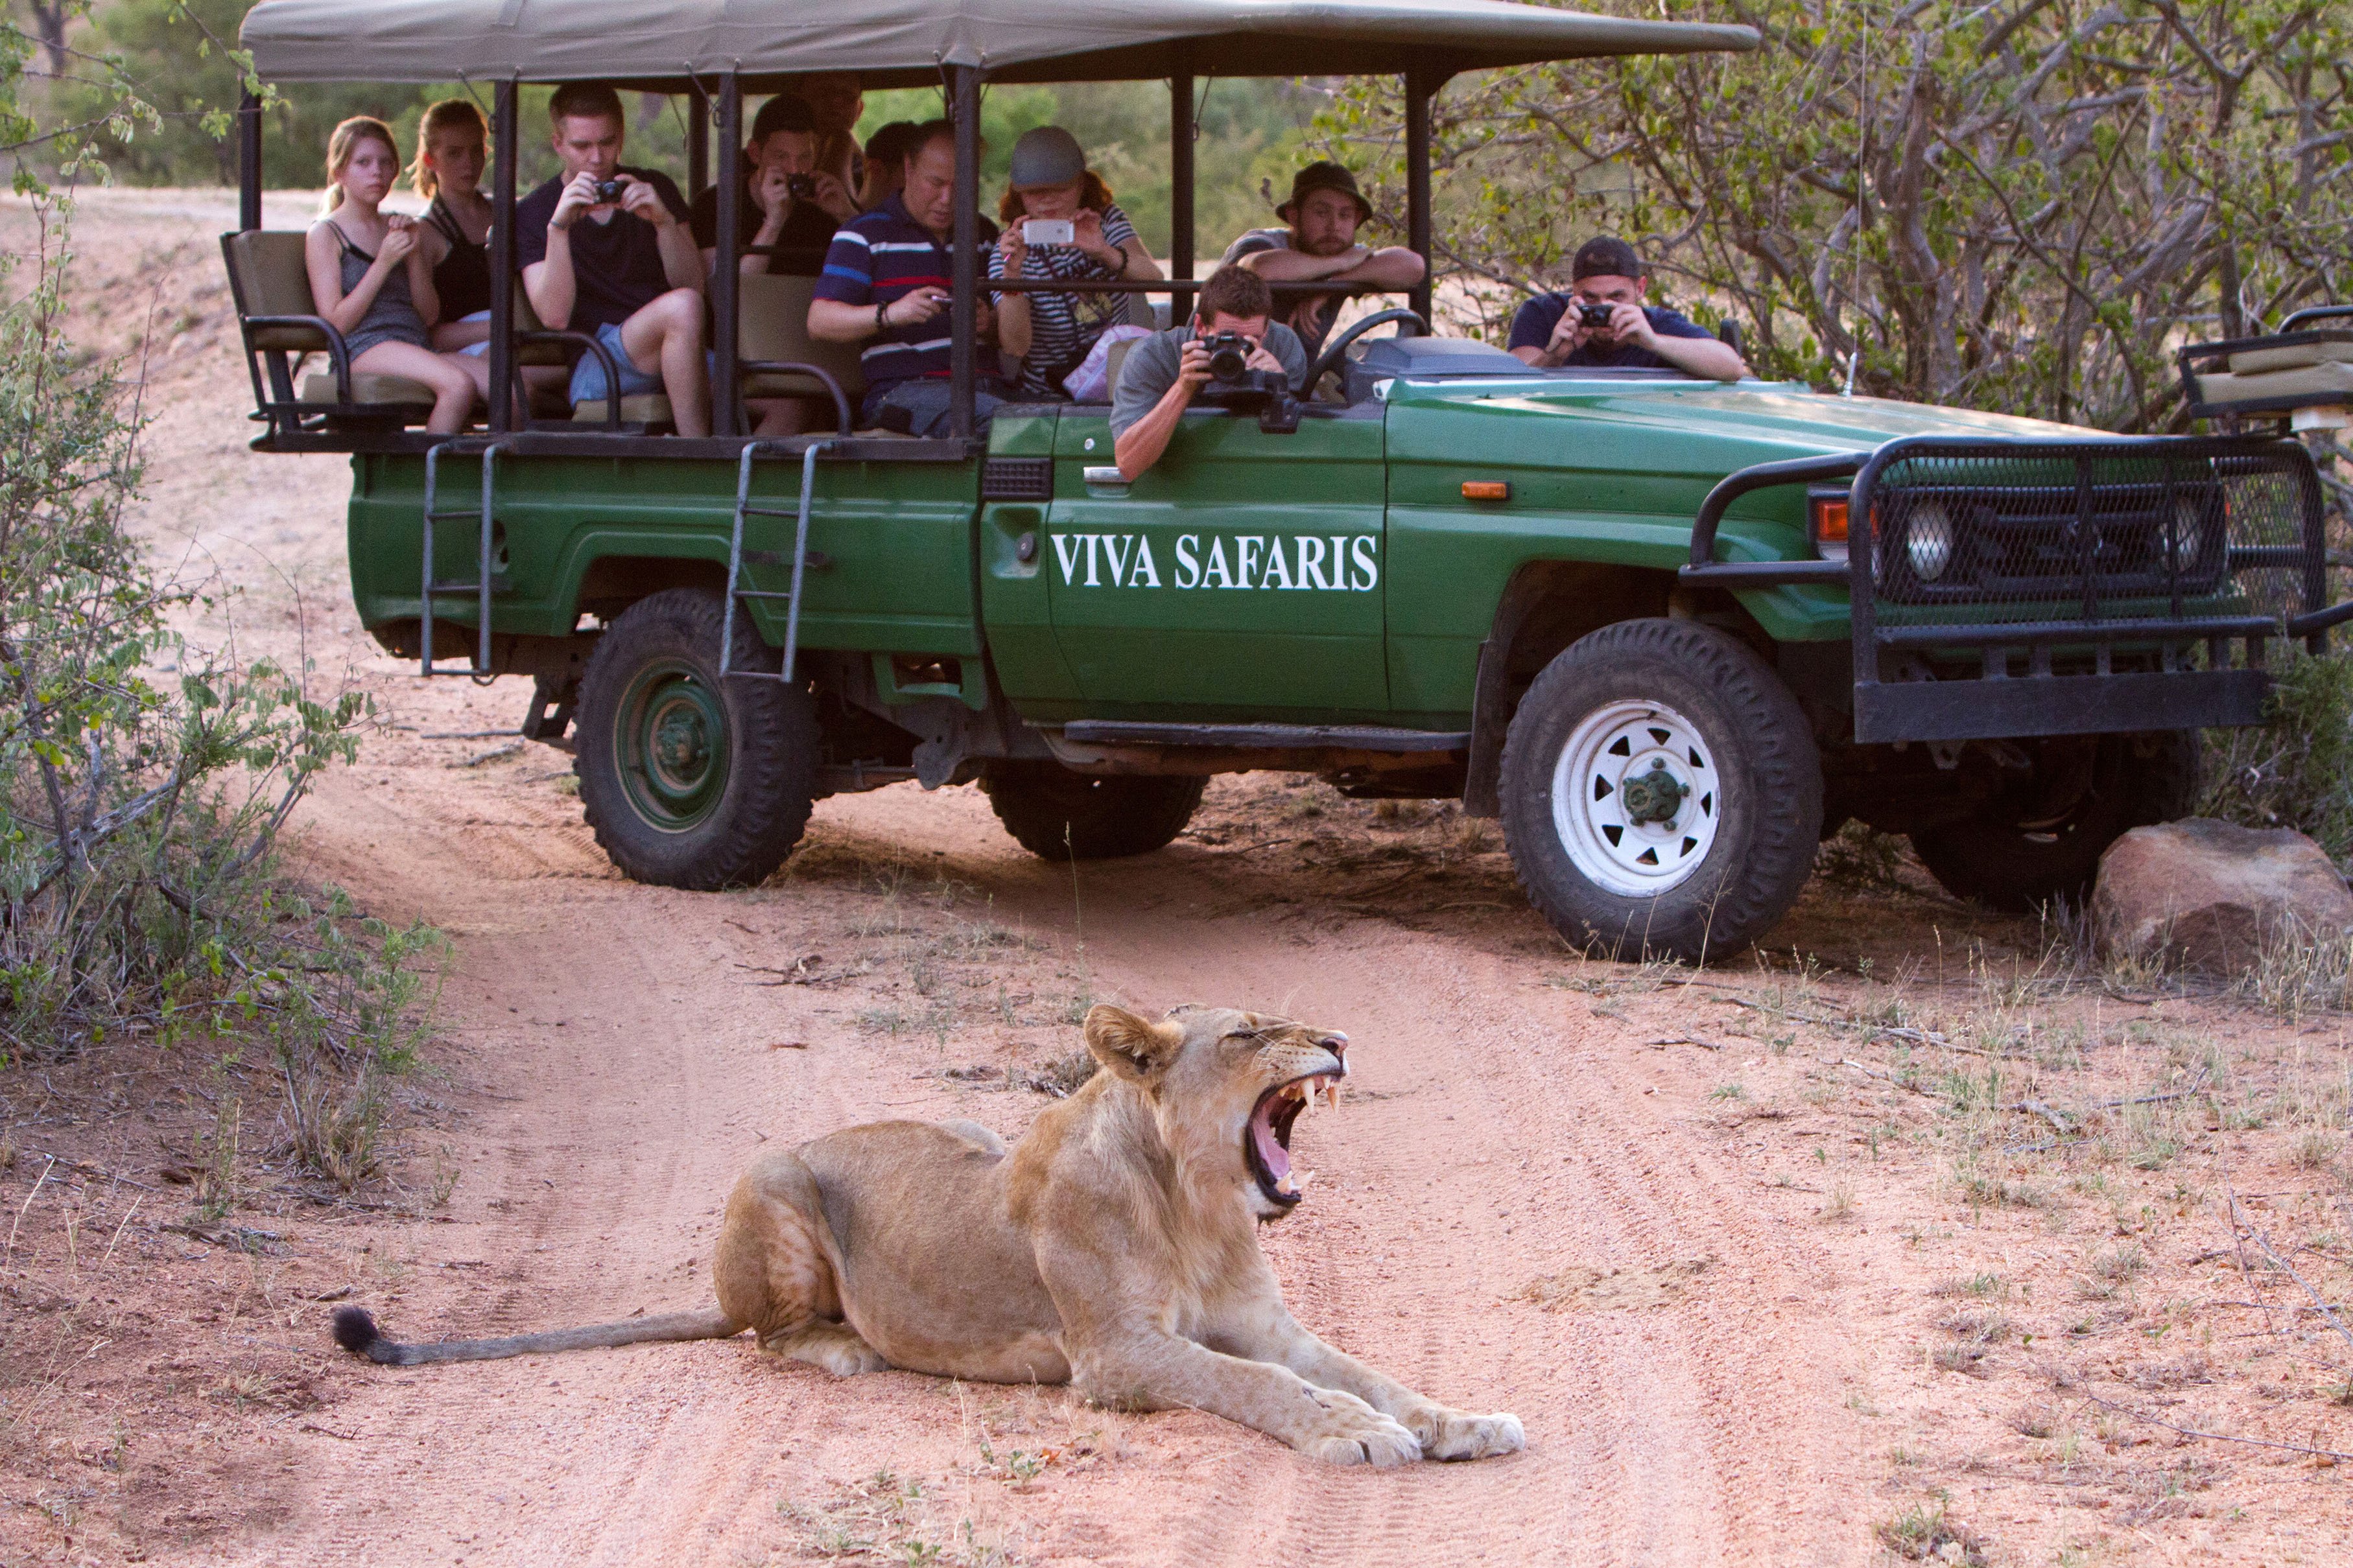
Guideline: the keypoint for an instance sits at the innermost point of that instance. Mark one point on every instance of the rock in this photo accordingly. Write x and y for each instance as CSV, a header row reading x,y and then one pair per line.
x,y
2209,895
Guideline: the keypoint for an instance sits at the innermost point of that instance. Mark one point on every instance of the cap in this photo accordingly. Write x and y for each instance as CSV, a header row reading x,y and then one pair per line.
x,y
1605,257
1325,175
1048,155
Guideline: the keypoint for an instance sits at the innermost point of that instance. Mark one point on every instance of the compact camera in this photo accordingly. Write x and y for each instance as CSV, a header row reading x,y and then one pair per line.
x,y
1595,318
1049,231
801,187
610,190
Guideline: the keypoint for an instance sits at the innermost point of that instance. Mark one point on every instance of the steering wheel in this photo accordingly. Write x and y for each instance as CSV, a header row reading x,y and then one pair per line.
x,y
1329,360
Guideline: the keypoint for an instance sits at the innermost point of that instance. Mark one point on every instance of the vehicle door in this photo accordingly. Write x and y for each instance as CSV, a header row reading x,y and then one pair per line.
x,y
1242,573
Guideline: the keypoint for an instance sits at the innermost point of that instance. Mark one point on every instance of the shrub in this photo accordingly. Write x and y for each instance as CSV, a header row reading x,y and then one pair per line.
x,y
2297,769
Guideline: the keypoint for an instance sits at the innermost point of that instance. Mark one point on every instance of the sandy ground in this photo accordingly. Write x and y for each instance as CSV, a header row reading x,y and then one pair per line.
x,y
1763,1285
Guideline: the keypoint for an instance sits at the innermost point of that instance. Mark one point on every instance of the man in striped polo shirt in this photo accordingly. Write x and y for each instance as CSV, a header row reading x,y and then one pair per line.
x,y
885,285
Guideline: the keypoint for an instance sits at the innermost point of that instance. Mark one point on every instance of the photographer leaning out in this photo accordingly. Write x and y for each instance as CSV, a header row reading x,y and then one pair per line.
x,y
1164,372
1602,321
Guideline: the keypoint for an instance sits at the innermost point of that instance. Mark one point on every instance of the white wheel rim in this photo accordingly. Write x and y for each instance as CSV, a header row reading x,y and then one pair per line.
x,y
1615,838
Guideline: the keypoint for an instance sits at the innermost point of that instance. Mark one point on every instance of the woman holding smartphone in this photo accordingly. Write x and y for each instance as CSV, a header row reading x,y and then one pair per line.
x,y
1059,222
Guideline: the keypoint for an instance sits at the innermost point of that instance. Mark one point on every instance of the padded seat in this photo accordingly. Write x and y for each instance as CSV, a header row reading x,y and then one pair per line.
x,y
2328,381
644,408
1115,359
319,388
773,325
2297,357
271,278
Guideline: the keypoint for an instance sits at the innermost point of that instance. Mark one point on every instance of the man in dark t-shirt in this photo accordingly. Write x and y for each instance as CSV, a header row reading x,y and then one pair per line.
x,y
787,204
620,264
1550,329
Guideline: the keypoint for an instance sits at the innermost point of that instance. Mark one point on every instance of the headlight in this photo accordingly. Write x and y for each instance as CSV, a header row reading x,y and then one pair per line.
x,y
2186,533
1929,542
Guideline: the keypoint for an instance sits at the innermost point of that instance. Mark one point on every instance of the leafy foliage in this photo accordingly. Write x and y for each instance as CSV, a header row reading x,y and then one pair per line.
x,y
2297,771
2020,207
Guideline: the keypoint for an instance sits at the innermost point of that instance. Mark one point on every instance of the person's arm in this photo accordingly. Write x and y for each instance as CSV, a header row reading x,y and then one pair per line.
x,y
1138,446
421,292
1012,309
550,284
682,263
323,257
1568,334
839,321
1393,266
1705,359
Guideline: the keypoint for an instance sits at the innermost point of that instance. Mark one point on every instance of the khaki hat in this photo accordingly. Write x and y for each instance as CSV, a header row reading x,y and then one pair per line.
x,y
1325,175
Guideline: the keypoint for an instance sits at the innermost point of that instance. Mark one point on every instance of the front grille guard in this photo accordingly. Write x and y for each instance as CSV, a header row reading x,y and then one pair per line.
x,y
2015,551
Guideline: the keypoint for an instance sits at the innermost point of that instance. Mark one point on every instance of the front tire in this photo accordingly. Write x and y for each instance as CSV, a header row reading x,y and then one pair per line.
x,y
690,780
2024,849
1661,792
1058,815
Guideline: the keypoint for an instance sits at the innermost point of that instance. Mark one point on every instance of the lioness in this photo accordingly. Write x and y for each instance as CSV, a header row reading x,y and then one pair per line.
x,y
1114,1248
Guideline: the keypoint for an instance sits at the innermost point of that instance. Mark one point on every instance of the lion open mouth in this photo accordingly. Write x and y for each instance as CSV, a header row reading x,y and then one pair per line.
x,y
1267,1140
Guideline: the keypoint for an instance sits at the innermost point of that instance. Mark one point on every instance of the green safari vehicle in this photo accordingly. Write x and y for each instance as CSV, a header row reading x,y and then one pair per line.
x,y
1620,611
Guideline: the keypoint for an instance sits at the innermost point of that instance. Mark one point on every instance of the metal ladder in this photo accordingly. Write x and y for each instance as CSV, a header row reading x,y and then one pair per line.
x,y
736,589
480,587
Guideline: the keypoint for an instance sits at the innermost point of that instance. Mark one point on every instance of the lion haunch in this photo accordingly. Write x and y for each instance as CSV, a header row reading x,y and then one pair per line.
x,y
1114,1248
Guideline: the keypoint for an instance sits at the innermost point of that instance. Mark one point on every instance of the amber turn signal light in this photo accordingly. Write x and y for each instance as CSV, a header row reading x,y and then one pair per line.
x,y
1830,520
1486,489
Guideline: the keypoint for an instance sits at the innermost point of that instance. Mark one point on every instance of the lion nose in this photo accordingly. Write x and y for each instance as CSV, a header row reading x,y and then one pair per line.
x,y
1338,1044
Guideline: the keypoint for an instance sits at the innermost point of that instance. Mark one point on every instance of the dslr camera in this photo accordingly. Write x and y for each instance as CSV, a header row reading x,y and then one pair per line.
x,y
1233,384
1595,318
610,190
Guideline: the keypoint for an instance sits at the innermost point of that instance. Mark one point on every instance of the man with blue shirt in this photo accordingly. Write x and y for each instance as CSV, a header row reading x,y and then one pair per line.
x,y
886,284
1550,331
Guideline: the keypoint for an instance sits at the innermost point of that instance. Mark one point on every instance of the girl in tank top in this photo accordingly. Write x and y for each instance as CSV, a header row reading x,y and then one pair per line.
x,y
371,278
452,150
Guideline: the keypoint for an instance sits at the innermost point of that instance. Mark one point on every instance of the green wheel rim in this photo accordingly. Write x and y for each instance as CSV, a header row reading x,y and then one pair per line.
x,y
670,746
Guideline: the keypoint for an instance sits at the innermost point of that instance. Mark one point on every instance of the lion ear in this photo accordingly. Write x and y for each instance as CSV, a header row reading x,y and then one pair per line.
x,y
1134,1047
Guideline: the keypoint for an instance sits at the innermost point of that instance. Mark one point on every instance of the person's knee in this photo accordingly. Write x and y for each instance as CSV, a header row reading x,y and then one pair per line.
x,y
679,312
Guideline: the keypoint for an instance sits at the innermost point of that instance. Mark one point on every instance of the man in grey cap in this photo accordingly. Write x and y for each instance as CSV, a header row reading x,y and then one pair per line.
x,y
1600,322
1319,245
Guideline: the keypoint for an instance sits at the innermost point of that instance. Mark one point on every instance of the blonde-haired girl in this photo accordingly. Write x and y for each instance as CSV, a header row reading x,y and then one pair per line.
x,y
372,279
452,151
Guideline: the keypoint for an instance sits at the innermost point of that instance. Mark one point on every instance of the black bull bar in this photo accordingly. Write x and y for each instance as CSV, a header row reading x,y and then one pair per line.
x,y
2002,589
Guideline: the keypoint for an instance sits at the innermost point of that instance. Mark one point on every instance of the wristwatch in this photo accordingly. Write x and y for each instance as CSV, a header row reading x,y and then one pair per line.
x,y
881,323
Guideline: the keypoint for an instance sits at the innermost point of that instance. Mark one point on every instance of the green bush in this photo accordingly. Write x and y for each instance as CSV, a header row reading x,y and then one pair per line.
x,y
2296,771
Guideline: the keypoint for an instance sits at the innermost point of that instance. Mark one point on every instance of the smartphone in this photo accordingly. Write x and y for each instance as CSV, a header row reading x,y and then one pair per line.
x,y
1047,231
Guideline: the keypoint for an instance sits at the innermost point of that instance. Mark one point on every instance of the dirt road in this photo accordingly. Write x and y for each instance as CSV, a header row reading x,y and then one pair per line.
x,y
1557,1188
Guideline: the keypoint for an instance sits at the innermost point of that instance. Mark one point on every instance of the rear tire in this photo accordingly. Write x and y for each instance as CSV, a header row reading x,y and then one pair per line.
x,y
2016,855
1058,815
690,780
1661,793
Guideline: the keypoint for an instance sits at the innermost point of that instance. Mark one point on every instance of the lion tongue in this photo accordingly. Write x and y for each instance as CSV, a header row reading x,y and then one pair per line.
x,y
1270,1150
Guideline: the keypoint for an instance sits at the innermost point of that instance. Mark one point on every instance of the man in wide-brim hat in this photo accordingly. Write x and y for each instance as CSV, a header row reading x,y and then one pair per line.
x,y
1319,244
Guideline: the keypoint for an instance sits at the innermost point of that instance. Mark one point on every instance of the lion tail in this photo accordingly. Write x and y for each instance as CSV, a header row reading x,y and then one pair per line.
x,y
355,1331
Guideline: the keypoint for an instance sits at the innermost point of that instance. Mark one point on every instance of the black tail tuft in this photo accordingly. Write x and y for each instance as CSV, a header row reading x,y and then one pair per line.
x,y
355,1331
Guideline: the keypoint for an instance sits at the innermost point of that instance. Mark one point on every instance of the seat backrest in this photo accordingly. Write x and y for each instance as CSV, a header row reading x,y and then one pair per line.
x,y
772,323
267,268
1114,358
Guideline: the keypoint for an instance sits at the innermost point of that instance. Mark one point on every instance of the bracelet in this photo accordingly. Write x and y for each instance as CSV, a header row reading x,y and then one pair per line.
x,y
881,321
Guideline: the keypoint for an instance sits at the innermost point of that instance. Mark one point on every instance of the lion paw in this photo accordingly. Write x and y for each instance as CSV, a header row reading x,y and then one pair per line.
x,y
835,1347
1353,1433
1452,1435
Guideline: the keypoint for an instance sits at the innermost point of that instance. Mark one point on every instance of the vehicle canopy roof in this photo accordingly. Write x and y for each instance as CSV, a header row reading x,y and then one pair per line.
x,y
664,45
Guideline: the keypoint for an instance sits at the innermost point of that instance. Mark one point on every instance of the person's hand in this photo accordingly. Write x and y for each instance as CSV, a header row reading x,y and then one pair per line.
x,y
1193,368
577,198
1630,324
399,239
1014,248
1569,335
915,307
638,197
1348,261
1086,233
833,197
772,192
1262,358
